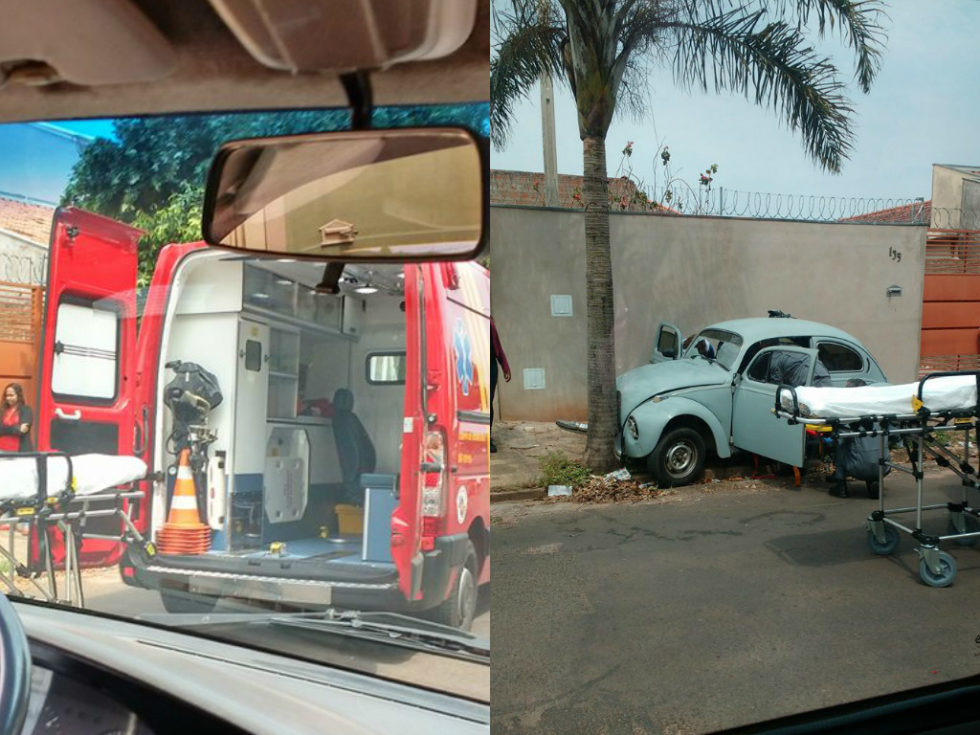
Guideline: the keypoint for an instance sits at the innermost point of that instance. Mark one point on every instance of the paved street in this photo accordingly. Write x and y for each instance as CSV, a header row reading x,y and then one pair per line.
x,y
714,608
105,592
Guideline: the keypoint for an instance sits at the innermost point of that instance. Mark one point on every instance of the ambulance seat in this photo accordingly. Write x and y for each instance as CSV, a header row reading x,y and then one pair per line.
x,y
354,447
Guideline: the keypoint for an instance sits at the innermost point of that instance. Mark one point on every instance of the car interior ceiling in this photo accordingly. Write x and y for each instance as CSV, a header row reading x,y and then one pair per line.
x,y
191,60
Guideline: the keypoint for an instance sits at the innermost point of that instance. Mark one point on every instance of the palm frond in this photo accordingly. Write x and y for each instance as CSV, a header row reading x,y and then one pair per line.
x,y
531,45
859,23
634,91
738,51
860,26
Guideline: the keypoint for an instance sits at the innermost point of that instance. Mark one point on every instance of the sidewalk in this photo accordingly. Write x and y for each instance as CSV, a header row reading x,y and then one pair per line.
x,y
515,470
520,446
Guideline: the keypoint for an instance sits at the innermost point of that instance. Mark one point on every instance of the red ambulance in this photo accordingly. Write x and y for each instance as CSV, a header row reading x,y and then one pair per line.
x,y
341,457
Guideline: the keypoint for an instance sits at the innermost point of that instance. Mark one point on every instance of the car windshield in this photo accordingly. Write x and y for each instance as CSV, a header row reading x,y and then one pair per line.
x,y
716,344
210,433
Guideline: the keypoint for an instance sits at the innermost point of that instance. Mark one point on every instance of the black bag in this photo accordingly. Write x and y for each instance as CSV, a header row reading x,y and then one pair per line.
x,y
860,456
192,394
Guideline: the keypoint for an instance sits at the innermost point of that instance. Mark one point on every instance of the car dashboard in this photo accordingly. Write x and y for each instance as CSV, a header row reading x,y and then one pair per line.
x,y
100,675
62,704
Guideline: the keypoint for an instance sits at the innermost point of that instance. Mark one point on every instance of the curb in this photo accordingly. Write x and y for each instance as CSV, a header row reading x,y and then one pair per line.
x,y
504,496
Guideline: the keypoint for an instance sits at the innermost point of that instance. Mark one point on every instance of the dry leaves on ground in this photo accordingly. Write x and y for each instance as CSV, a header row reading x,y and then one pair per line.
x,y
601,490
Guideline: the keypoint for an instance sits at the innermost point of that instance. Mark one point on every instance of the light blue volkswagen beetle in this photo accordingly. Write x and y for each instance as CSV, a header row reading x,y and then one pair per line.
x,y
717,394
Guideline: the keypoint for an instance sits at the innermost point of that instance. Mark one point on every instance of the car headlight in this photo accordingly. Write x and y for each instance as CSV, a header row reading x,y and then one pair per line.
x,y
634,429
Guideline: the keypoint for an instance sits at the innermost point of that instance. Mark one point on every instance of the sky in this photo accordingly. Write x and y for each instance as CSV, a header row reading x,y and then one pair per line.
x,y
93,128
923,109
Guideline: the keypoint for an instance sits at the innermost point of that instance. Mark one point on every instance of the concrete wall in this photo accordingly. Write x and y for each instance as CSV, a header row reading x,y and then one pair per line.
x,y
946,196
954,197
691,271
970,207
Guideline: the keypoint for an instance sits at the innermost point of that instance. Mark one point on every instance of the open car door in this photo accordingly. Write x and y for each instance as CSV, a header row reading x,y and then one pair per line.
x,y
668,343
754,427
88,352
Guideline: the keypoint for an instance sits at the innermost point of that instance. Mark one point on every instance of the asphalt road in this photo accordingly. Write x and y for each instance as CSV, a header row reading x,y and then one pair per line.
x,y
105,592
714,609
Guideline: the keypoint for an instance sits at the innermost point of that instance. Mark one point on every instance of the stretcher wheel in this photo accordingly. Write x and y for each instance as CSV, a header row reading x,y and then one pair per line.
x,y
947,570
971,525
883,548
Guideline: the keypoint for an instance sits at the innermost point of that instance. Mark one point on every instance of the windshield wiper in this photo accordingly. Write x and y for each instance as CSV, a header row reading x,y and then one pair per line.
x,y
383,627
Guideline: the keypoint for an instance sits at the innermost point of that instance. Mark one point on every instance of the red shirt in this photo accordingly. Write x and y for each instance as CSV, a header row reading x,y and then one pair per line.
x,y
10,442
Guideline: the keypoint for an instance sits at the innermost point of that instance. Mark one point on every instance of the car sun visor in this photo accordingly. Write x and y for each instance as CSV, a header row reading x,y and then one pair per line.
x,y
342,35
48,41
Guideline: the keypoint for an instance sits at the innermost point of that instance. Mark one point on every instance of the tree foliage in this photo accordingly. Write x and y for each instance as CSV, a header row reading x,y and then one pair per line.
x,y
762,49
152,173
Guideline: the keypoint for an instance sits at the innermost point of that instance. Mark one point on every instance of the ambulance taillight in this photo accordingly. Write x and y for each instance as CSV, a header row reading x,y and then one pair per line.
x,y
433,487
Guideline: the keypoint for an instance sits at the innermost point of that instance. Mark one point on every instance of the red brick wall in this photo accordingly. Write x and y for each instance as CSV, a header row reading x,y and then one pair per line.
x,y
525,188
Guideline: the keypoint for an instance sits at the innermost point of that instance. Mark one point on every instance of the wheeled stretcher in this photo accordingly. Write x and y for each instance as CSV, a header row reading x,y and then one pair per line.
x,y
52,490
922,416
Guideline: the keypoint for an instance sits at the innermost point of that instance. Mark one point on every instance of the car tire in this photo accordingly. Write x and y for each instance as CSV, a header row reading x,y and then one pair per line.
x,y
459,609
182,601
678,458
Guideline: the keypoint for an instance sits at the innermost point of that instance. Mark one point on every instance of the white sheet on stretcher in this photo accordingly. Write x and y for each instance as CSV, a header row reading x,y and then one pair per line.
x,y
93,473
952,393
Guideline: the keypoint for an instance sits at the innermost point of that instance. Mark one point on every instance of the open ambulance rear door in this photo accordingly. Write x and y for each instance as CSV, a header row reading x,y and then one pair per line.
x,y
88,351
406,520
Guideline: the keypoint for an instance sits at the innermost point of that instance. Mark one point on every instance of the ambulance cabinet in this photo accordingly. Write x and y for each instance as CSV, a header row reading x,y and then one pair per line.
x,y
283,372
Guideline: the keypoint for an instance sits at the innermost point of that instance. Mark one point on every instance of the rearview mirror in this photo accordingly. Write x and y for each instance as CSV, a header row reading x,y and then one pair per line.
x,y
369,195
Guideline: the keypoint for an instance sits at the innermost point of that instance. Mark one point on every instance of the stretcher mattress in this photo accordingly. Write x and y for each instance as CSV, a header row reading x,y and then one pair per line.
x,y
951,393
93,473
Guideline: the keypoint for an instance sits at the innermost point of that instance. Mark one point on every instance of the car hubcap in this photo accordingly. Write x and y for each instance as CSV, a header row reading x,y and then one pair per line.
x,y
467,597
680,458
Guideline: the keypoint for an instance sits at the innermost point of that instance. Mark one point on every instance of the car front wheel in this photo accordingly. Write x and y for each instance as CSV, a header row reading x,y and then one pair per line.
x,y
678,458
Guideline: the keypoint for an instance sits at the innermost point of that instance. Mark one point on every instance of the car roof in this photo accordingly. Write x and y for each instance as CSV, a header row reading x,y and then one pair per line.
x,y
756,328
60,65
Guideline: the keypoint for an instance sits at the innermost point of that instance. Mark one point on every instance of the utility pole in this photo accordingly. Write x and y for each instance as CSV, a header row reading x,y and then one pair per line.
x,y
548,130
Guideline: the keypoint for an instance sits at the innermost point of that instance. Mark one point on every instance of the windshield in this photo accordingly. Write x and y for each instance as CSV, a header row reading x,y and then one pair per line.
x,y
242,434
716,344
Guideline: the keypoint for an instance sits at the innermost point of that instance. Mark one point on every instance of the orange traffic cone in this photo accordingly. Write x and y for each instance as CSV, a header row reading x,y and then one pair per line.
x,y
183,533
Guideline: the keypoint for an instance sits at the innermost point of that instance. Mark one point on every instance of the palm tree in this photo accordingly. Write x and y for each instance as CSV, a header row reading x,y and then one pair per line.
x,y
602,50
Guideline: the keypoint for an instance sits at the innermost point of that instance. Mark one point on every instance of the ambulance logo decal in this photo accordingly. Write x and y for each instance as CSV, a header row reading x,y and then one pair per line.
x,y
464,360
462,501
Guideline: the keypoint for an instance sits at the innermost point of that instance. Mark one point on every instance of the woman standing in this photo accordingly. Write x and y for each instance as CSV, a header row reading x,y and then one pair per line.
x,y
15,421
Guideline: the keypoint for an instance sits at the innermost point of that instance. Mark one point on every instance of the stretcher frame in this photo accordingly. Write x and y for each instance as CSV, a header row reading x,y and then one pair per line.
x,y
917,430
68,513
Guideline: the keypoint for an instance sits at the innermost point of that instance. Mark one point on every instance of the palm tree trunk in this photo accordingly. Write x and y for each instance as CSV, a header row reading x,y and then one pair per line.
x,y
599,309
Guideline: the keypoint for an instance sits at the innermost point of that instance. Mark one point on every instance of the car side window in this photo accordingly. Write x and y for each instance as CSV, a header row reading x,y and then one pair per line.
x,y
759,369
753,351
778,367
839,359
667,342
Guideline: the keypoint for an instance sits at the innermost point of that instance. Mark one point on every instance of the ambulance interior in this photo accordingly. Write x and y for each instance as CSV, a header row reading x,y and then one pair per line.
x,y
306,458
